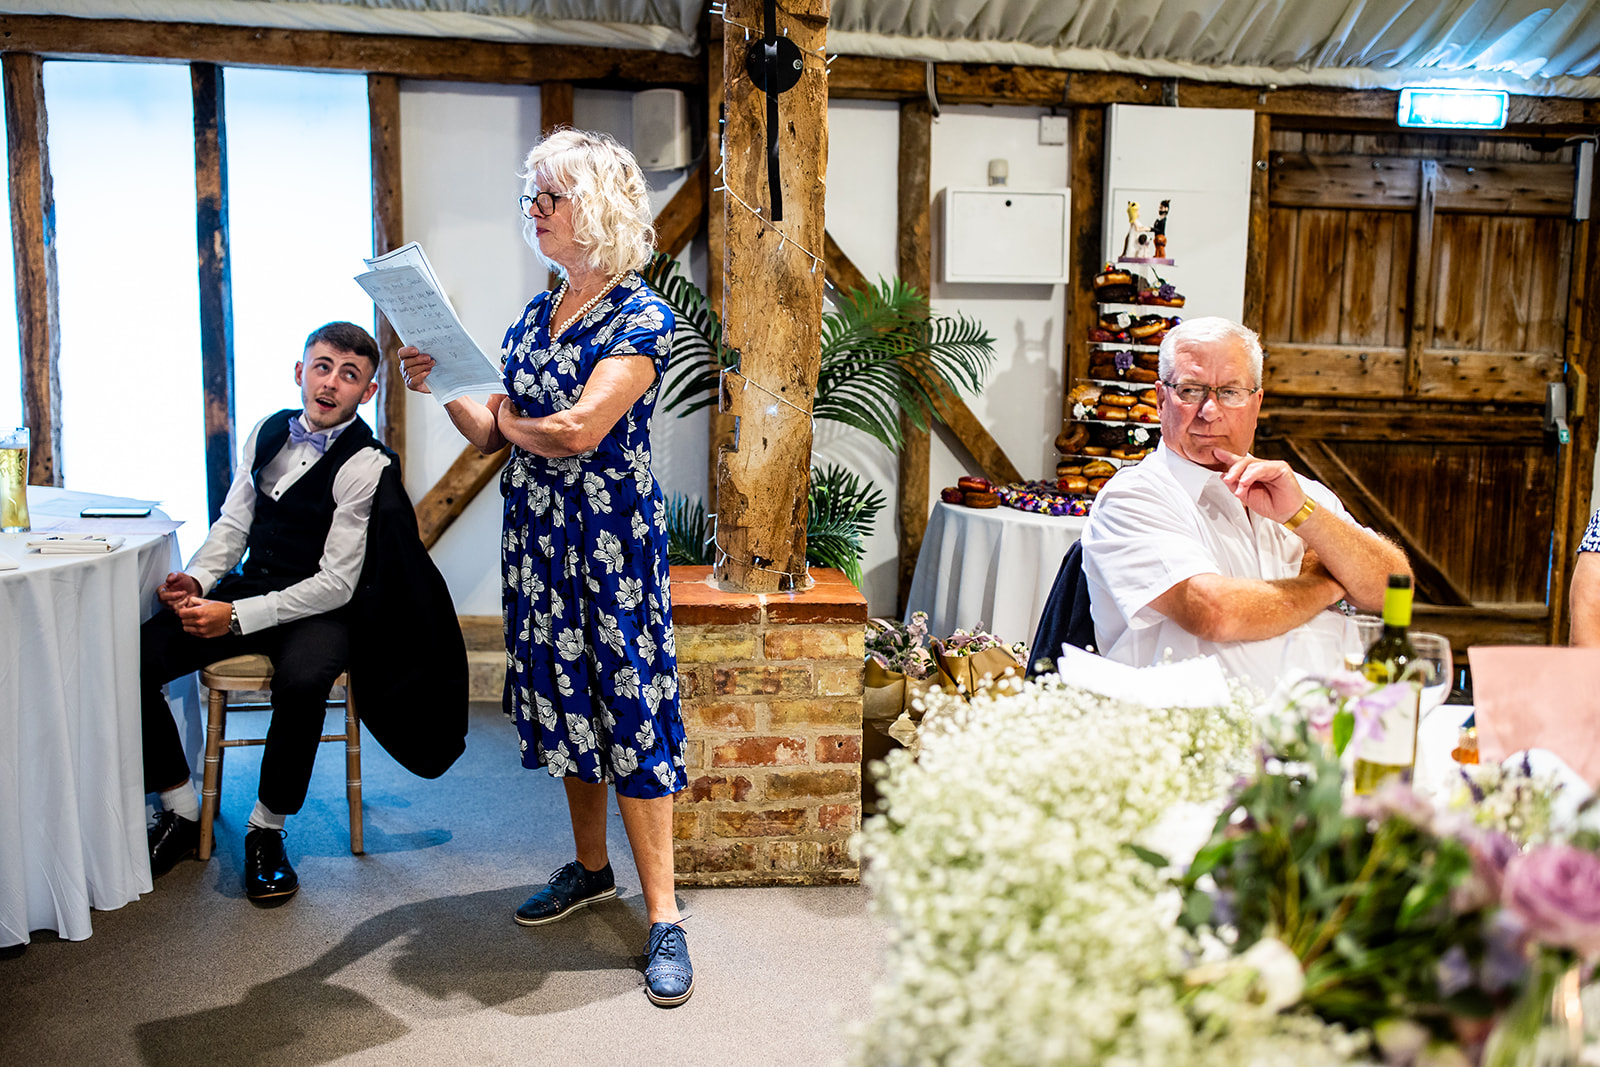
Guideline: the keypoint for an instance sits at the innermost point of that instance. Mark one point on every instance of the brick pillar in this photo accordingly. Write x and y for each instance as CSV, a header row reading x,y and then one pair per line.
x,y
771,686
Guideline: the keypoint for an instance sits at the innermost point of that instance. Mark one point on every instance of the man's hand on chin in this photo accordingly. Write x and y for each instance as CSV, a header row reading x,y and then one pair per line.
x,y
205,618
1267,487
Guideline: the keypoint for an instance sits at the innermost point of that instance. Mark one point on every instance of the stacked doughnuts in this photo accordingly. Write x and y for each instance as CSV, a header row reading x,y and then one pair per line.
x,y
1137,367
972,492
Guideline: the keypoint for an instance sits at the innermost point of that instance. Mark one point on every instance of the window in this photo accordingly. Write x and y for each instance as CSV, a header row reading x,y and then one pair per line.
x,y
122,162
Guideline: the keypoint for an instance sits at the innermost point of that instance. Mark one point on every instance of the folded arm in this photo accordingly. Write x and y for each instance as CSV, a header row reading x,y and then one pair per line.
x,y
613,386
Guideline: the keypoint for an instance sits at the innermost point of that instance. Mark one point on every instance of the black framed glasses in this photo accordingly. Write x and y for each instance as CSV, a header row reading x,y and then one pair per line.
x,y
540,205
1229,396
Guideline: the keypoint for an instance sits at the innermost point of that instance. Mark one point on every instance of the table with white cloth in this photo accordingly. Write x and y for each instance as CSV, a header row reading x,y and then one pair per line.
x,y
992,566
72,815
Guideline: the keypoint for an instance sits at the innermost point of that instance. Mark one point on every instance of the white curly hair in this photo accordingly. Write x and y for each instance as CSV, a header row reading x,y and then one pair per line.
x,y
611,218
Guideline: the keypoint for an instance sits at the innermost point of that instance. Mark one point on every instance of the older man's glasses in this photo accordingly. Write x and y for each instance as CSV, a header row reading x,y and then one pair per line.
x,y
539,205
1192,393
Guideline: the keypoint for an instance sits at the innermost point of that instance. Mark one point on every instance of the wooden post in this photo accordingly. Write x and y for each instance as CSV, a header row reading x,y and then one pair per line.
x,y
1421,277
1255,262
33,243
721,429
216,277
555,109
383,119
912,256
773,303
1088,174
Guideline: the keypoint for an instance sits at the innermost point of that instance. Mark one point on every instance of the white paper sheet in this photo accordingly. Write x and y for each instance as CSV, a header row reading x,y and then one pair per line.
x,y
1190,683
408,293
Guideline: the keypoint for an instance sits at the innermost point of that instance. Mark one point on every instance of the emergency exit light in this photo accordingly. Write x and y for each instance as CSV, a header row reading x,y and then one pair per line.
x,y
1459,109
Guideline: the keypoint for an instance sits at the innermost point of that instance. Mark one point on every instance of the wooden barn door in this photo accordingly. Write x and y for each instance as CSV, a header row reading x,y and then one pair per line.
x,y
1418,298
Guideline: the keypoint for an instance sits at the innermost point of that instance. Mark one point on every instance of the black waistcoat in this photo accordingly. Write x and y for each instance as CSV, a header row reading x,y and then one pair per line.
x,y
287,535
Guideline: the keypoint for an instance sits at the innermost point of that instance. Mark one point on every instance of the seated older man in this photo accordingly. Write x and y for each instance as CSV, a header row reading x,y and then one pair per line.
x,y
1204,549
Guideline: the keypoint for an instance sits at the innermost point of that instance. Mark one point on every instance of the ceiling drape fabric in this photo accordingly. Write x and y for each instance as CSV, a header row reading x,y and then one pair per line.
x,y
1528,46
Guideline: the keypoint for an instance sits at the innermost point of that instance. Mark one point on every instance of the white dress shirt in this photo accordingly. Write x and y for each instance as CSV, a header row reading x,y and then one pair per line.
x,y
1168,519
342,553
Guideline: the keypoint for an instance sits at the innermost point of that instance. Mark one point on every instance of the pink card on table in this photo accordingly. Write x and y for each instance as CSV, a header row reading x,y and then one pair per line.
x,y
1530,696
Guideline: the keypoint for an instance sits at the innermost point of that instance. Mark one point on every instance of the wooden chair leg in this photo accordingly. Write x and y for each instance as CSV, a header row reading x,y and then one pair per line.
x,y
211,785
352,767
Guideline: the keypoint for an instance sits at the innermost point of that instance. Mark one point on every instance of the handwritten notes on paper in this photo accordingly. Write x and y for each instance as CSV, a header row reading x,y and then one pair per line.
x,y
404,287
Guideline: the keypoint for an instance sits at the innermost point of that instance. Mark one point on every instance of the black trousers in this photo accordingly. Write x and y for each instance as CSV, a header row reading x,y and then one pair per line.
x,y
307,655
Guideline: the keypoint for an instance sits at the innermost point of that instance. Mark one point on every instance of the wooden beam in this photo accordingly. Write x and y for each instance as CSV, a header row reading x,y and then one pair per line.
x,y
216,278
33,243
1421,309
1323,464
1088,135
913,252
773,302
1338,424
1578,457
447,58
1255,262
450,495
720,433
862,77
680,219
1373,182
388,226
993,463
555,111
1483,624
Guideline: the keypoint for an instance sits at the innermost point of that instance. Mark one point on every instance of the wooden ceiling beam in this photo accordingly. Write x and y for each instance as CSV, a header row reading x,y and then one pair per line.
x,y
446,58
864,77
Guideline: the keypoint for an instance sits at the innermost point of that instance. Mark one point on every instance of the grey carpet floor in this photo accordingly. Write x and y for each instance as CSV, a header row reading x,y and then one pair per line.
x,y
408,954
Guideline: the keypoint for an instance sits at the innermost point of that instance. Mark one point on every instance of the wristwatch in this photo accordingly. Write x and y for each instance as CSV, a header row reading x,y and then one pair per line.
x,y
233,621
1293,521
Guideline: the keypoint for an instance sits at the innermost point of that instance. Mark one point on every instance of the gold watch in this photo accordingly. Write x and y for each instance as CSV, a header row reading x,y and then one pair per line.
x,y
1293,521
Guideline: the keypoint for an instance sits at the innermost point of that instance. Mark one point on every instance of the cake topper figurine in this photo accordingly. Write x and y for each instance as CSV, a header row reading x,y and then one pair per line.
x,y
1159,230
1140,242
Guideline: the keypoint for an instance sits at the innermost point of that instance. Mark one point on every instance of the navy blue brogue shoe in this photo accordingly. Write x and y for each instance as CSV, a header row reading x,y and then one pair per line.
x,y
570,888
668,975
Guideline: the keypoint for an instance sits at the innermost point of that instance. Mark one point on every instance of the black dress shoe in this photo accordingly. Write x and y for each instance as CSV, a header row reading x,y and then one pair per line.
x,y
172,838
267,873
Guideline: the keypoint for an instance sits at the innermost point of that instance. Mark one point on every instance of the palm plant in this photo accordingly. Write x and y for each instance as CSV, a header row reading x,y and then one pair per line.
x,y
840,513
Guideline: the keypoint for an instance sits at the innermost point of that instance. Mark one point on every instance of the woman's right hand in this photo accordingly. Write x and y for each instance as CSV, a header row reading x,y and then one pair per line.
x,y
414,368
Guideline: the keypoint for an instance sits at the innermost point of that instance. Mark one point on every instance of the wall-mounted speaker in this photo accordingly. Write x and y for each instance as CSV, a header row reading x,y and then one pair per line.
x,y
661,129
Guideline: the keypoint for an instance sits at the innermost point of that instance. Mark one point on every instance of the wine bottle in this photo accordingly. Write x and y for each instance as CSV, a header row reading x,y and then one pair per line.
x,y
1394,753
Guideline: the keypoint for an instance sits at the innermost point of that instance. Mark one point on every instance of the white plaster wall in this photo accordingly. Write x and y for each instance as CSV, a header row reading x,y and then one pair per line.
x,y
461,148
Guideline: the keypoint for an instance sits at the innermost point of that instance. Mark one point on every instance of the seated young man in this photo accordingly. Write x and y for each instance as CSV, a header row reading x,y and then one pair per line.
x,y
275,575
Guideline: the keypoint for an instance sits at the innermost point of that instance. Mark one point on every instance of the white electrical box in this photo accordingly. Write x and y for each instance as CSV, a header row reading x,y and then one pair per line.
x,y
1007,235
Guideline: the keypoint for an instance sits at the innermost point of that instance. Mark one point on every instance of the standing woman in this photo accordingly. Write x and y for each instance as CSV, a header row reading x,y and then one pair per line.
x,y
591,665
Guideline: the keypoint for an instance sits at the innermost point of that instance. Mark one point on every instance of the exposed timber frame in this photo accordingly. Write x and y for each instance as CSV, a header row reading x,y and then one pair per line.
x,y
214,263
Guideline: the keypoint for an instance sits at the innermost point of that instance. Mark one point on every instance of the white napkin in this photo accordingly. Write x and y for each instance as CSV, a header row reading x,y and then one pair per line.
x,y
1190,683
75,544
7,563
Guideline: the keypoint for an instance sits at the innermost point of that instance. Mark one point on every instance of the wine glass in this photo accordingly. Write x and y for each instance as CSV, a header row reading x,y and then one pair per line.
x,y
1368,629
1437,668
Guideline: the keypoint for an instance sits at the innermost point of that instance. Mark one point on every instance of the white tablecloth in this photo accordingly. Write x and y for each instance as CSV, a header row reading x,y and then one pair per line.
x,y
990,565
72,816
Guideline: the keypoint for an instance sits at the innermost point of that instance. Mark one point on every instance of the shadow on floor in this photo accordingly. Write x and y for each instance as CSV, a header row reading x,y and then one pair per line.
x,y
449,946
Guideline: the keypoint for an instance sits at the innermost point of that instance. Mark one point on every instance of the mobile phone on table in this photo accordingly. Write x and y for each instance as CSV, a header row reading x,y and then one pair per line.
x,y
114,513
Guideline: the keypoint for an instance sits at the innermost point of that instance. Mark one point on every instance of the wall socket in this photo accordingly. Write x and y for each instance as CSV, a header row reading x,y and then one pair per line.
x,y
1052,129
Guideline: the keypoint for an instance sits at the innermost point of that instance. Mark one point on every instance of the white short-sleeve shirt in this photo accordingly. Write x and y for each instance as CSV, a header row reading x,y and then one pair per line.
x,y
1168,519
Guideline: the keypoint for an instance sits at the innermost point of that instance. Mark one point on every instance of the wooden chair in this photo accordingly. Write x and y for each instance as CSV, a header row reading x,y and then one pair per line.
x,y
253,673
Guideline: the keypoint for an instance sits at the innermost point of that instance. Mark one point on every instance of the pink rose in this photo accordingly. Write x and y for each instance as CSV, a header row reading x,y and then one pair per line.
x,y
1555,890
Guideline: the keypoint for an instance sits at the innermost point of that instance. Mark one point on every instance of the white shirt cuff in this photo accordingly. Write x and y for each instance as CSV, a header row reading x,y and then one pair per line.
x,y
255,613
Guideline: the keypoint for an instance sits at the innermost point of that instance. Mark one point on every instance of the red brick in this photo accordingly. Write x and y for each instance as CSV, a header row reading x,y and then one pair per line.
x,y
837,855
846,712
839,748
811,784
726,856
716,787
769,681
760,752
799,642
786,609
789,855
685,825
724,717
846,817
716,644
696,602
694,682
775,822
694,754
841,681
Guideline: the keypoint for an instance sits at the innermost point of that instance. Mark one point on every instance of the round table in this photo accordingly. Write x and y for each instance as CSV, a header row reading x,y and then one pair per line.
x,y
72,816
989,566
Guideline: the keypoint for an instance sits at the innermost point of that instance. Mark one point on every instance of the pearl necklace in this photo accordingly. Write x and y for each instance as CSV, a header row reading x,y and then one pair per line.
x,y
555,304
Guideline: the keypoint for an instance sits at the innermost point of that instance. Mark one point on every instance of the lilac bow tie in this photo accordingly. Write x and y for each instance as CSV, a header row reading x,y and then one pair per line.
x,y
299,435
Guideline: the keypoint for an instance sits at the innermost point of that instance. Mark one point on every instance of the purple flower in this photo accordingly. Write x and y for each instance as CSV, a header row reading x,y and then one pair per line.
x,y
1504,960
1348,684
1370,709
1555,890
1123,360
1453,971
1392,800
1491,850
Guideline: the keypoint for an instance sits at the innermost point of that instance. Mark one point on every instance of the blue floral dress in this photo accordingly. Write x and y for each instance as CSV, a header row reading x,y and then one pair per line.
x,y
591,660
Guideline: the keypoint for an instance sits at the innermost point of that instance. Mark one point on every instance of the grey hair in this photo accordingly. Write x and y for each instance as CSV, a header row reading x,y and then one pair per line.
x,y
1210,328
611,217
